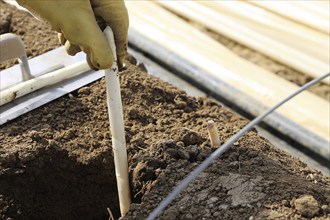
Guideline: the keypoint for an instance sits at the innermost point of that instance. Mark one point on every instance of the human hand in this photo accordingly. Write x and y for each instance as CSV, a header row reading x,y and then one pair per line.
x,y
79,24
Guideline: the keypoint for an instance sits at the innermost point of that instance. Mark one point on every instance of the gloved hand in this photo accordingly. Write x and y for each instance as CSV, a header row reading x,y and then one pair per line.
x,y
77,22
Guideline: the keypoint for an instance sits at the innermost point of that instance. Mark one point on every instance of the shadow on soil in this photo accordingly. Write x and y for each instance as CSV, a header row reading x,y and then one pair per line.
x,y
52,185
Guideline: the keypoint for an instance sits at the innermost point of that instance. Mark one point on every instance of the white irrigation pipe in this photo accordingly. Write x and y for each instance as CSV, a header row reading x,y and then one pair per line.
x,y
224,148
115,111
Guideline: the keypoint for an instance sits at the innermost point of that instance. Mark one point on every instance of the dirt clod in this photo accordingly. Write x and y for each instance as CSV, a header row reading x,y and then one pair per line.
x,y
307,206
326,208
5,22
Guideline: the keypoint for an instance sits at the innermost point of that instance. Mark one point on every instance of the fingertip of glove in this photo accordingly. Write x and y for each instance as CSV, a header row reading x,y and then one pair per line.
x,y
96,64
104,65
89,62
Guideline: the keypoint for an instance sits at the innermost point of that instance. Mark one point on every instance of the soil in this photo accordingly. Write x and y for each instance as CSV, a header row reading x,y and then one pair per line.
x,y
56,162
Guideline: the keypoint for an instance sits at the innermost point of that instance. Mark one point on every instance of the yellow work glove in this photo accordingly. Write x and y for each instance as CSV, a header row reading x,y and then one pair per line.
x,y
78,23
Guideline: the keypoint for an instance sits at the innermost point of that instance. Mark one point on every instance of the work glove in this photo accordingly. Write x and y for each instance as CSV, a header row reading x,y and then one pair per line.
x,y
80,24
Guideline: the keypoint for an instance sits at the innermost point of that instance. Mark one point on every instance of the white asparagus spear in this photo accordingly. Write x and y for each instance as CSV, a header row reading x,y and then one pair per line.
x,y
213,134
48,79
115,111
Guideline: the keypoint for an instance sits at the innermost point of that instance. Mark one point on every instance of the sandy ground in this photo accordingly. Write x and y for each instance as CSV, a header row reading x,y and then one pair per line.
x,y
56,162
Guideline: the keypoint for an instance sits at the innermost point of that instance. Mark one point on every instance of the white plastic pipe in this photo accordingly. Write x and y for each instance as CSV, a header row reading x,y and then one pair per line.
x,y
115,111
34,84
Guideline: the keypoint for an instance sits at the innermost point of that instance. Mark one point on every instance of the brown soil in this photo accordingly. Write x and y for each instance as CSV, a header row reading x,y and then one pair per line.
x,y
56,162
